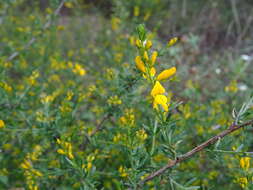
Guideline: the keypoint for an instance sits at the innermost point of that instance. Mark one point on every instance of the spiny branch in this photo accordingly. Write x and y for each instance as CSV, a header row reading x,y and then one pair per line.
x,y
197,149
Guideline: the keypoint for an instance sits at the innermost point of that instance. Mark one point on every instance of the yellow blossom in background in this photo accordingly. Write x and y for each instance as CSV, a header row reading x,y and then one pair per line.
x,y
31,17
89,164
232,87
157,89
66,148
60,27
2,124
110,73
128,118
245,163
172,41
6,87
136,11
69,95
68,5
132,40
117,137
47,99
140,64
118,57
161,100
79,70
114,100
32,79
142,135
49,11
115,23
166,73
26,165
186,110
147,15
123,171
33,156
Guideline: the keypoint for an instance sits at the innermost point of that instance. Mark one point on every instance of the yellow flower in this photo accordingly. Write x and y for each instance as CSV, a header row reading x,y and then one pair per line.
x,y
243,181
115,23
157,89
161,100
89,166
153,57
70,155
114,100
172,41
138,43
123,171
60,151
68,5
136,11
148,44
245,163
26,165
79,70
140,64
145,56
167,73
232,87
2,125
60,27
142,135
152,73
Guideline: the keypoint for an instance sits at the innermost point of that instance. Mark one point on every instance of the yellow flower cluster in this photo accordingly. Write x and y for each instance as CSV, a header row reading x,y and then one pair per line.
x,y
43,117
128,119
66,148
242,181
123,172
31,174
110,73
114,100
141,135
5,86
87,167
35,154
145,63
115,22
245,163
77,69
32,79
69,5
232,87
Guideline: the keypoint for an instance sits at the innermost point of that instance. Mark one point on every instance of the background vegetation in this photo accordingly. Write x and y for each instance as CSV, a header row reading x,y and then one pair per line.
x,y
76,112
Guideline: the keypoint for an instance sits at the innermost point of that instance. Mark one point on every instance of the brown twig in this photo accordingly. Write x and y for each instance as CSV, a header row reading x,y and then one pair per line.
x,y
99,127
33,39
197,149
